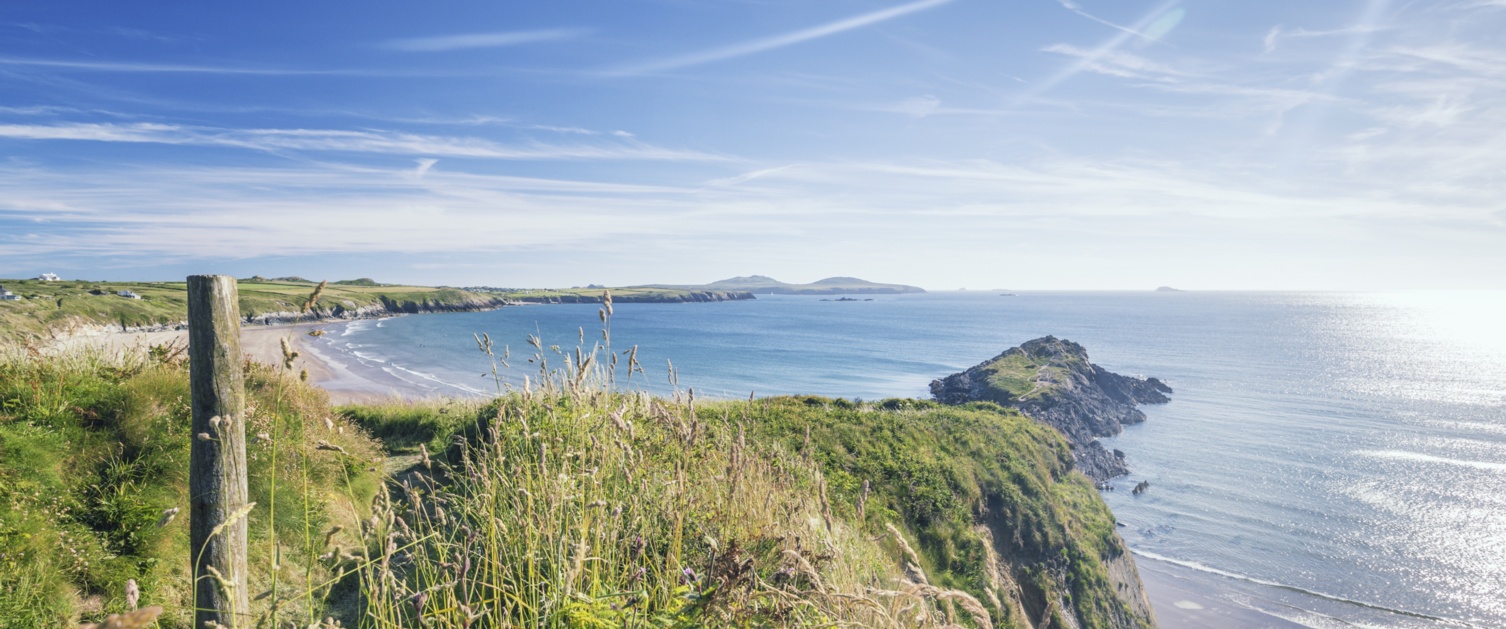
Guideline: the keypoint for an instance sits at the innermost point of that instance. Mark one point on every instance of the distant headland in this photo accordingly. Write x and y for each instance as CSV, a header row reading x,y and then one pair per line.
x,y
764,285
51,307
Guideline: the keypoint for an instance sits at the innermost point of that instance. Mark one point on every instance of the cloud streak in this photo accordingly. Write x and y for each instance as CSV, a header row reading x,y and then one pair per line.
x,y
160,68
780,41
1088,60
469,41
346,141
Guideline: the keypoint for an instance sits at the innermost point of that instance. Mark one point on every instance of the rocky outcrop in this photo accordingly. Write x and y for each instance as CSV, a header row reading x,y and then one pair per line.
x,y
1052,381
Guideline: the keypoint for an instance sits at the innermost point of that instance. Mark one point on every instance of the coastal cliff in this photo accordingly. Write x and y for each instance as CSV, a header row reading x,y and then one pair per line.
x,y
1052,381
989,496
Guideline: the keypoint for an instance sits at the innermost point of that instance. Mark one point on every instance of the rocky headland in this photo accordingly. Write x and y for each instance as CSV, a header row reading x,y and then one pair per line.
x,y
1052,381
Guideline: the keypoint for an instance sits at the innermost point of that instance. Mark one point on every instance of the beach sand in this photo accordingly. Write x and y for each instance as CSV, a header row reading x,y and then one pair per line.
x,y
262,344
1187,599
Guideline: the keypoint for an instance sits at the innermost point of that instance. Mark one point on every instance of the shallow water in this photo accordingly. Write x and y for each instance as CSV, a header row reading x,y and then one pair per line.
x,y
1329,459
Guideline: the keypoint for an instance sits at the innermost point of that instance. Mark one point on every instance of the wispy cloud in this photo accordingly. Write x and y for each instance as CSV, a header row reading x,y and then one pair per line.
x,y
482,40
1273,37
362,141
1077,8
1160,19
1114,62
147,67
780,41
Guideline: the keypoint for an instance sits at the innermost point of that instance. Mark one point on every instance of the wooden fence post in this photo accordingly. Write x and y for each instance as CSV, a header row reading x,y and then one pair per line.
x,y
217,472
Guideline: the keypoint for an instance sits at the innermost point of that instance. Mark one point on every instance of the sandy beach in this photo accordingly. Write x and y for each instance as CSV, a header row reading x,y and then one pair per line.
x,y
262,344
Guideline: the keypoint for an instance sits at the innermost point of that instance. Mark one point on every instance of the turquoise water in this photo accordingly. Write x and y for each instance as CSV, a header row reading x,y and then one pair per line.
x,y
1330,460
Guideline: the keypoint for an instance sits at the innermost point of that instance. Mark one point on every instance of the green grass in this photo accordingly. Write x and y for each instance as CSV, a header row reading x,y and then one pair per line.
x,y
93,451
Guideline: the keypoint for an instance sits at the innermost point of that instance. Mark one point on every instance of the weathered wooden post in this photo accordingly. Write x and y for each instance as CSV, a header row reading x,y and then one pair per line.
x,y
217,472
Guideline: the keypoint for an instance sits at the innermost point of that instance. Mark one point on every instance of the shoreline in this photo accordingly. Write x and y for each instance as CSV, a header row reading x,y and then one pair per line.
x,y
263,344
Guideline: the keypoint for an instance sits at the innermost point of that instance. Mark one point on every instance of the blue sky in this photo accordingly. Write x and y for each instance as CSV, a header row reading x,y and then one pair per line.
x,y
1032,144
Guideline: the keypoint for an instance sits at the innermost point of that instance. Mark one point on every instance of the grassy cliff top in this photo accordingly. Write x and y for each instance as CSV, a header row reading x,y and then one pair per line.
x,y
1036,368
52,308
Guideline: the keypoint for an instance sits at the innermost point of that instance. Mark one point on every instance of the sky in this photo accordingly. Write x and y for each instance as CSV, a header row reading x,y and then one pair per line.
x,y
1023,144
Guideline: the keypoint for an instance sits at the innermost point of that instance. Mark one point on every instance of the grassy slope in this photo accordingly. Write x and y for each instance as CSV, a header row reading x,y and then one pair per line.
x,y
935,471
91,454
567,506
58,307
942,470
1024,376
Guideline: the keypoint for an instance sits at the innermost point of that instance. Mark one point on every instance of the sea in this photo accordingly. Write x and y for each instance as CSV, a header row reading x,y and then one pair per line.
x,y
1327,460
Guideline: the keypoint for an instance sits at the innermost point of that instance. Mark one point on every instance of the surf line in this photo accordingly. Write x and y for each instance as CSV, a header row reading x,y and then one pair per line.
x,y
1292,588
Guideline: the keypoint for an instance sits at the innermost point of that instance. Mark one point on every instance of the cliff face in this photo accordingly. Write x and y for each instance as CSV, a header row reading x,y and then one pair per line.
x,y
1052,381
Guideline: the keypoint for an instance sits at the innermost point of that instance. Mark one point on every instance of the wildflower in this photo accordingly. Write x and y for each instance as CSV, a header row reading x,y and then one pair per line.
x,y
325,445
314,297
167,517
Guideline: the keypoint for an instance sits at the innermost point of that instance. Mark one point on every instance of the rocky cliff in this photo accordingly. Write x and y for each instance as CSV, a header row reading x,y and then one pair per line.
x,y
1052,381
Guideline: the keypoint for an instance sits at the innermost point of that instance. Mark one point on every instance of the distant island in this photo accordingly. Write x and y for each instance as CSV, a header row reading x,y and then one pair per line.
x,y
764,285
1168,289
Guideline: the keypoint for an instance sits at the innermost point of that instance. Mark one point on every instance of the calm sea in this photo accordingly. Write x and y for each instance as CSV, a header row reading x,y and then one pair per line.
x,y
1328,459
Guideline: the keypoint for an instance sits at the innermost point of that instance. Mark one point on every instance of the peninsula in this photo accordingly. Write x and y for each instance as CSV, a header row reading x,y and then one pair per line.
x,y
1052,381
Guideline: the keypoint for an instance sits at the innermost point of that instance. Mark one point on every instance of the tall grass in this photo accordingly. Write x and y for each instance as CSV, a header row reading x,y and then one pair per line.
x,y
571,504
94,461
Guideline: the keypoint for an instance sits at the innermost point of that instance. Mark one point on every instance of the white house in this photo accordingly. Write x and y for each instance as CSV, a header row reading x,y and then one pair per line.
x,y
6,295
49,277
128,294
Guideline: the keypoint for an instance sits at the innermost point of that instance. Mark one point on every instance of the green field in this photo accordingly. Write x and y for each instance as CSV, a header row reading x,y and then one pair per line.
x,y
51,309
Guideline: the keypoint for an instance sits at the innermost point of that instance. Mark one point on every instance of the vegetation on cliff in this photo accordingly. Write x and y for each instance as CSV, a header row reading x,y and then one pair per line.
x,y
573,502
93,475
49,309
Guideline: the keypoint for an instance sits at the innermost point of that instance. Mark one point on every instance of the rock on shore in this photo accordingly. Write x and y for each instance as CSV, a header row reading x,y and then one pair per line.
x,y
1052,381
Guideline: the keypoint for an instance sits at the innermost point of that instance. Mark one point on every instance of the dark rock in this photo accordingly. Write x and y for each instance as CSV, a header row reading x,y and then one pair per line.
x,y
1052,381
